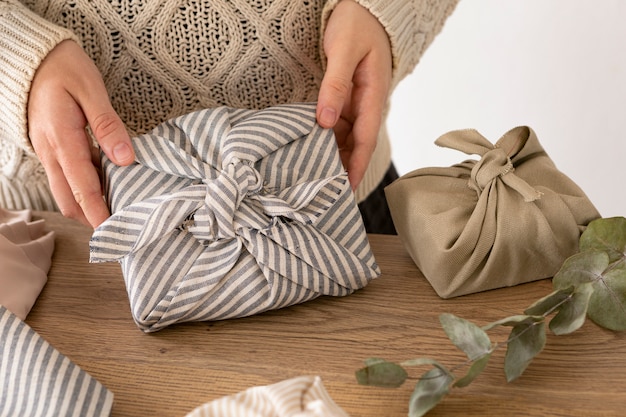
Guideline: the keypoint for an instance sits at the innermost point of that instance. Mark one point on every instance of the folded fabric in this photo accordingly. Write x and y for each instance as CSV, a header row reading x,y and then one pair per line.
x,y
509,218
297,397
25,254
36,380
231,212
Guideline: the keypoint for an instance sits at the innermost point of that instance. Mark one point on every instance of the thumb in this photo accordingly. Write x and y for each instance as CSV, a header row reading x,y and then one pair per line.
x,y
334,92
111,135
336,87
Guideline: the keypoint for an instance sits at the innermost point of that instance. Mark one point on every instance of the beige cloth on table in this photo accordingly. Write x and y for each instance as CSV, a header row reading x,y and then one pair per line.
x,y
25,254
509,218
303,396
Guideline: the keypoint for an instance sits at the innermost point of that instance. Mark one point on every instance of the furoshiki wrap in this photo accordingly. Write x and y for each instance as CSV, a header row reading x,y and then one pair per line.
x,y
231,212
505,219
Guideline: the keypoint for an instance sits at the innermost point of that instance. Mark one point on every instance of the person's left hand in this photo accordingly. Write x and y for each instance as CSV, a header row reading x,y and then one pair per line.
x,y
355,87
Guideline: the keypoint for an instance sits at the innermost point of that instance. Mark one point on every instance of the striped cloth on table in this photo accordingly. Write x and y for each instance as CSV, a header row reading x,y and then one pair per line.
x,y
231,212
303,396
36,380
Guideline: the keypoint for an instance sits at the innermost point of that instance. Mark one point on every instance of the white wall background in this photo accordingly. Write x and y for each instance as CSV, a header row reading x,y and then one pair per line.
x,y
558,66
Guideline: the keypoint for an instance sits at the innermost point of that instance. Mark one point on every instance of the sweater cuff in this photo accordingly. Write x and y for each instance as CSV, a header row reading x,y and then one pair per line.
x,y
25,40
411,26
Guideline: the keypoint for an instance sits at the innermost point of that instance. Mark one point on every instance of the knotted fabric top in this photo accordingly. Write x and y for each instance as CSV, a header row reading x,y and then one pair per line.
x,y
509,217
495,162
230,212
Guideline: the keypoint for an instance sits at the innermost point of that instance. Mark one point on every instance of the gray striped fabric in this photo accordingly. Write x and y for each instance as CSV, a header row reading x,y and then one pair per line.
x,y
303,396
231,212
37,380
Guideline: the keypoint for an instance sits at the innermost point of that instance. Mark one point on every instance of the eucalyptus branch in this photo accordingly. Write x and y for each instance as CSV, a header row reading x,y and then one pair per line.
x,y
591,283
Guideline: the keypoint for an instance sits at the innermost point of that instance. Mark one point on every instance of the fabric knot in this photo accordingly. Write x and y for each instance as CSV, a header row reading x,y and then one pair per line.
x,y
243,176
225,195
495,163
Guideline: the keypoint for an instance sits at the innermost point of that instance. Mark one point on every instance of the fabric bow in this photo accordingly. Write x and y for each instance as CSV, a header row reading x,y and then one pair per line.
x,y
495,162
230,212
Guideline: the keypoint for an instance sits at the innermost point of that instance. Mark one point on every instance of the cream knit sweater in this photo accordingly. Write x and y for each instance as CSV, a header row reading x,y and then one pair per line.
x,y
163,58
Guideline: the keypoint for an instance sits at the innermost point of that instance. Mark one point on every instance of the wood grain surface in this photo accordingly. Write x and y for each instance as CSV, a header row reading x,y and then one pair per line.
x,y
83,311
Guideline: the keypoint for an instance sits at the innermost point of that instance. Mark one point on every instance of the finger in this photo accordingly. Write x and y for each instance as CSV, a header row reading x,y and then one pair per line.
x,y
359,159
369,101
106,126
336,86
83,171
334,91
363,138
63,195
60,187
111,135
82,197
342,136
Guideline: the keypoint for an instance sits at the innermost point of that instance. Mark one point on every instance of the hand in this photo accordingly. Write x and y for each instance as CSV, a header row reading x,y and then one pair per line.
x,y
356,85
67,94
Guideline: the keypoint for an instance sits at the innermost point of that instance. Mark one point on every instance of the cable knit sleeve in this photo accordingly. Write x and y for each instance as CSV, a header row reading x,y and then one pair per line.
x,y
25,40
411,25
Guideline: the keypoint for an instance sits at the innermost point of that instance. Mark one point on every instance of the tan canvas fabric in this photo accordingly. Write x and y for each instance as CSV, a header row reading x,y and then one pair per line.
x,y
510,217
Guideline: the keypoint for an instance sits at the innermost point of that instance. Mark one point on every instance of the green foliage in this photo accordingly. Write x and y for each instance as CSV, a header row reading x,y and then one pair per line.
x,y
472,340
591,283
429,390
380,373
527,339
607,235
572,314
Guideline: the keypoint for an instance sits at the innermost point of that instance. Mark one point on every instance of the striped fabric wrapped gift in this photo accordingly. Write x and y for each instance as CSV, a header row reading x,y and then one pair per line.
x,y
231,212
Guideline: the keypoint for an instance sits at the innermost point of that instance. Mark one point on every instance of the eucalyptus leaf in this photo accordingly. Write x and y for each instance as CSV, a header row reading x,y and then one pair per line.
x,y
550,303
373,361
382,374
525,342
580,268
607,305
421,361
573,313
429,390
465,335
608,234
514,321
477,367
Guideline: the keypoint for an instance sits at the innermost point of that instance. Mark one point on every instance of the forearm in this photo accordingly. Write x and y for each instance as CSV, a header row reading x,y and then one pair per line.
x,y
25,40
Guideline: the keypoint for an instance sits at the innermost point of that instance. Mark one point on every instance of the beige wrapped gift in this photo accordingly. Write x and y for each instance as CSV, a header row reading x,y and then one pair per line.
x,y
509,218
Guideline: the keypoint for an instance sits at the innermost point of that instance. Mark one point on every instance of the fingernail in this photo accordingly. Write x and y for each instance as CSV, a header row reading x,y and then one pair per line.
x,y
122,153
328,117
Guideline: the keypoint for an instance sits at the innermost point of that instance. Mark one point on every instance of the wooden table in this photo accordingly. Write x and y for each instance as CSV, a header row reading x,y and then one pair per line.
x,y
83,311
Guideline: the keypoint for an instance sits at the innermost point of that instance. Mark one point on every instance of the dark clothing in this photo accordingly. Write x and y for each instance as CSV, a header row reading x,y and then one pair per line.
x,y
374,208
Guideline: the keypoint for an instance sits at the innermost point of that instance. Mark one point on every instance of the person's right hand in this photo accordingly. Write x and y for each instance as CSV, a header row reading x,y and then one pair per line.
x,y
67,94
